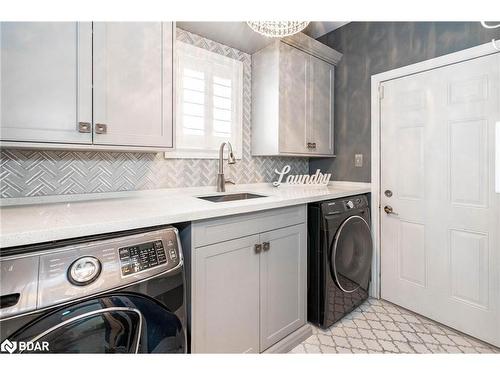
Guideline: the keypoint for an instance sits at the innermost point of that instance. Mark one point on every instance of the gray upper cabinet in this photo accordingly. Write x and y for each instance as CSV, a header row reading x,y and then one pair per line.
x,y
133,84
87,85
293,97
46,82
320,124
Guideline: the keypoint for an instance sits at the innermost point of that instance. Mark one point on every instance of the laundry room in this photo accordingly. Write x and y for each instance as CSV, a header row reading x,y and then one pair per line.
x,y
185,179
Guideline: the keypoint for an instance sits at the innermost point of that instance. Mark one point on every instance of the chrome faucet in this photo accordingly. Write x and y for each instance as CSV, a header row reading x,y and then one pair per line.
x,y
221,180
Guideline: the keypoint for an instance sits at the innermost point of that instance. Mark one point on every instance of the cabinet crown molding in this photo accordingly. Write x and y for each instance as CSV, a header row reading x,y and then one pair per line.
x,y
313,47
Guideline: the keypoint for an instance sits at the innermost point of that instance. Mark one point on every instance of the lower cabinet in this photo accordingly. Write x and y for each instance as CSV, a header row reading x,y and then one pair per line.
x,y
283,274
248,293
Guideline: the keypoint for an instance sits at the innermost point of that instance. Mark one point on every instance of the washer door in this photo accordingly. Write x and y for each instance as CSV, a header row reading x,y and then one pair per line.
x,y
351,254
120,323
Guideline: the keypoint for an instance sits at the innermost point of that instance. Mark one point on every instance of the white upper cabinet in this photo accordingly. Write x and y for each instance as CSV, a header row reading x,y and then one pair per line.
x,y
133,83
46,82
87,86
293,97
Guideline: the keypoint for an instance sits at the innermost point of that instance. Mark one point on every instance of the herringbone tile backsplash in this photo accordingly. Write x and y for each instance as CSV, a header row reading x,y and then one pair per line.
x,y
31,173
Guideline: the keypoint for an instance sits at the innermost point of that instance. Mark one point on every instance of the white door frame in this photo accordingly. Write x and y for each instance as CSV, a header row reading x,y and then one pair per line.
x,y
376,81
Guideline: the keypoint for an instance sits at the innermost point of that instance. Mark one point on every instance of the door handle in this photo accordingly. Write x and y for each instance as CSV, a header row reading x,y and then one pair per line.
x,y
389,211
266,246
257,248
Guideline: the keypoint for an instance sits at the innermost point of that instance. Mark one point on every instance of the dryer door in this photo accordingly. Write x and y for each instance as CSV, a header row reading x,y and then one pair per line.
x,y
119,323
351,254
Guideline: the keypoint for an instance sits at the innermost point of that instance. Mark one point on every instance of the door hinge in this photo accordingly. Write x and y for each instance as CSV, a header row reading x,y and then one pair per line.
x,y
381,92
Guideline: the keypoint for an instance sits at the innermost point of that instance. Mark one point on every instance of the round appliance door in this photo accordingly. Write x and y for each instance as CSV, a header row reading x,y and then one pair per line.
x,y
351,254
119,323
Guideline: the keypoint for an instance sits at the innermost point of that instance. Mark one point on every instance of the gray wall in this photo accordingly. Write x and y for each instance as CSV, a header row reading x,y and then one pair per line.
x,y
374,47
33,173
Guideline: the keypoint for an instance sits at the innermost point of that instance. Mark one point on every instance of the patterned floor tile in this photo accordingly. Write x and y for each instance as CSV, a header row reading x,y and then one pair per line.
x,y
378,326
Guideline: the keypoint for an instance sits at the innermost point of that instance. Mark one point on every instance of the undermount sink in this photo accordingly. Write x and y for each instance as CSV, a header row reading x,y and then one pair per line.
x,y
231,197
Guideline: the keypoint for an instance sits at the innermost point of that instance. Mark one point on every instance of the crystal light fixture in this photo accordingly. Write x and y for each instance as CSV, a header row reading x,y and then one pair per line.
x,y
277,29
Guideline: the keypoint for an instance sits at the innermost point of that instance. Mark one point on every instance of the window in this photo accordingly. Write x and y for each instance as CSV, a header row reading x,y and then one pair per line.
x,y
209,92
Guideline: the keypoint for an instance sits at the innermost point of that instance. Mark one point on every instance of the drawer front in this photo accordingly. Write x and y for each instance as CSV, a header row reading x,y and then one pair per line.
x,y
212,231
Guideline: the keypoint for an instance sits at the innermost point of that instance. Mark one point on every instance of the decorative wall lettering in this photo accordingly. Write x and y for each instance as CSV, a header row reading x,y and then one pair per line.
x,y
316,179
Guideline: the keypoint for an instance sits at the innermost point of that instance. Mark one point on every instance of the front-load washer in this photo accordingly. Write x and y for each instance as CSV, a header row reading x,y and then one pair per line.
x,y
118,293
339,258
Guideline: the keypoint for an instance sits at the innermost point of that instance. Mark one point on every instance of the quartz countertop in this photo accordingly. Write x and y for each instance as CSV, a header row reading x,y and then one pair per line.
x,y
27,221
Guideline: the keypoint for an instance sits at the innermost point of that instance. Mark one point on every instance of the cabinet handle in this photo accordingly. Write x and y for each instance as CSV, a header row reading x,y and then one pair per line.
x,y
84,127
257,248
101,128
309,145
266,246
314,145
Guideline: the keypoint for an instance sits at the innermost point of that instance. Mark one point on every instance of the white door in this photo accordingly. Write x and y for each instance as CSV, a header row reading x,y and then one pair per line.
x,y
225,301
293,102
133,83
46,82
320,121
441,246
283,270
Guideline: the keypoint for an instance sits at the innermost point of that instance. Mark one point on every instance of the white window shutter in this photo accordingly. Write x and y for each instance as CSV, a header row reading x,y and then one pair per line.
x,y
209,92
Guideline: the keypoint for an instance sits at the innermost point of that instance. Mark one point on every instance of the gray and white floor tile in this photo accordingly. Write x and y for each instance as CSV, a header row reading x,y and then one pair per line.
x,y
378,326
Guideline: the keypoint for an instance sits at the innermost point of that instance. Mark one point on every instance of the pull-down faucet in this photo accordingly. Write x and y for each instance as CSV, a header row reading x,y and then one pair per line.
x,y
221,180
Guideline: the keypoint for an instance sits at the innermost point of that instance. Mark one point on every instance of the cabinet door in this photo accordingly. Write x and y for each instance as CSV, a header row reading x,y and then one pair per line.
x,y
293,72
283,270
45,81
133,83
320,117
225,297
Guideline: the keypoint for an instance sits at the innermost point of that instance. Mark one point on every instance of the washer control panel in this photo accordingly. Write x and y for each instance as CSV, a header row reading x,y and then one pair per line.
x,y
339,206
144,256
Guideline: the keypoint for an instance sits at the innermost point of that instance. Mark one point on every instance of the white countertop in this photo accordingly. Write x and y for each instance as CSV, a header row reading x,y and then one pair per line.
x,y
34,220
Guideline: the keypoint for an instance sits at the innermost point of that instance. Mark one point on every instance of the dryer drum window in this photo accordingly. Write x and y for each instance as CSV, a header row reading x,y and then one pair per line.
x,y
351,254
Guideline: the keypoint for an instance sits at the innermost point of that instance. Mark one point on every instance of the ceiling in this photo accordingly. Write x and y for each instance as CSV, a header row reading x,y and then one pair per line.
x,y
238,35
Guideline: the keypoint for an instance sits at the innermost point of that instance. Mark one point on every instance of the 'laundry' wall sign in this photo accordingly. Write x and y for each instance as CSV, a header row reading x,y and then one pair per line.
x,y
316,179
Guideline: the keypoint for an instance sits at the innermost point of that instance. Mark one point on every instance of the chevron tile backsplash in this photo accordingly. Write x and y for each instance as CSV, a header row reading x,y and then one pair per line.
x,y
33,173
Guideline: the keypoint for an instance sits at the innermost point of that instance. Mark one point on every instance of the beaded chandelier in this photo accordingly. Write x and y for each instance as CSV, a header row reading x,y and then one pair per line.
x,y
277,29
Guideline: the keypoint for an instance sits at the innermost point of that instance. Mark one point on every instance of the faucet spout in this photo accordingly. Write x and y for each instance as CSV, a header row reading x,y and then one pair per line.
x,y
221,180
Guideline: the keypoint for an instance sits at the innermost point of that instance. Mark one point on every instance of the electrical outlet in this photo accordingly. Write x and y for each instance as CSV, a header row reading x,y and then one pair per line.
x,y
358,160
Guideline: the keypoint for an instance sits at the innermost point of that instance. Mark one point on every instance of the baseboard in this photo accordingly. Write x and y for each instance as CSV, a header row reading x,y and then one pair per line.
x,y
291,341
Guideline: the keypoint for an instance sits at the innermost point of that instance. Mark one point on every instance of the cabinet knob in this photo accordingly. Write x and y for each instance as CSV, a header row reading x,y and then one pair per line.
x,y
101,128
257,248
266,246
84,127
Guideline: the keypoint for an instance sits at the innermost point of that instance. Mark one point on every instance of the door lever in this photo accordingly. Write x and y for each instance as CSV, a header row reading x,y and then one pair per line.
x,y
389,211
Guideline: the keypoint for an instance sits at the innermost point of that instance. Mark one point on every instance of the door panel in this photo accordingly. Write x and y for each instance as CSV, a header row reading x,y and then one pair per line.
x,y
440,255
45,81
320,122
226,298
282,283
133,83
293,106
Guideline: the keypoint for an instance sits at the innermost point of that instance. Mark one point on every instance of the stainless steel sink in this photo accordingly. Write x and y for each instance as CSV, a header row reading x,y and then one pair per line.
x,y
231,197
